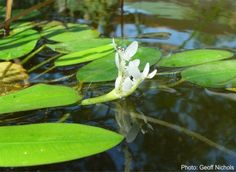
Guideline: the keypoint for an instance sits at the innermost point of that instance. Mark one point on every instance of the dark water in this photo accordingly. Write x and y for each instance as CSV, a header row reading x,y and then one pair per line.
x,y
152,147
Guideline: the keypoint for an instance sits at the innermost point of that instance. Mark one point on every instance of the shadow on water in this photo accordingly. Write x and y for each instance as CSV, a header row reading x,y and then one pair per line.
x,y
150,146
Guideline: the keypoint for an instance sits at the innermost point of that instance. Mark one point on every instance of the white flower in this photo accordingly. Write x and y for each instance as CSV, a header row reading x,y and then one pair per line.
x,y
129,75
127,53
133,70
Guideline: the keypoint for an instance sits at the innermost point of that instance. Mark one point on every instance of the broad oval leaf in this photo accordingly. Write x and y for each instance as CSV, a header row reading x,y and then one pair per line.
x,y
37,97
194,57
105,69
38,144
20,43
84,55
169,10
216,74
78,45
60,32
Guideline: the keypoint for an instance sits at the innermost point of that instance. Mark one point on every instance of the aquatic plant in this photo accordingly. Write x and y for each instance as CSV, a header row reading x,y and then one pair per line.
x,y
129,76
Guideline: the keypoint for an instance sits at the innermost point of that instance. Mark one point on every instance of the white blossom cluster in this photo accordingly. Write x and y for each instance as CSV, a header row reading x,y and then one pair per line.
x,y
129,75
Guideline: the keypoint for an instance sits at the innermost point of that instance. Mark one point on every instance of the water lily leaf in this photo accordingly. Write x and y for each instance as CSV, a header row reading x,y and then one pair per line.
x,y
38,144
10,72
194,57
18,44
216,74
105,69
60,32
38,97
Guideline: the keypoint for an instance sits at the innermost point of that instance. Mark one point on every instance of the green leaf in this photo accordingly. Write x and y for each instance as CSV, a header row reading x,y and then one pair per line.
x,y
78,45
38,144
32,14
85,55
21,42
216,74
105,69
37,97
194,57
59,32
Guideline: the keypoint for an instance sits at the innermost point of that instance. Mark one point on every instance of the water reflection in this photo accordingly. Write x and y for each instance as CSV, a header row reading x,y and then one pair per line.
x,y
207,24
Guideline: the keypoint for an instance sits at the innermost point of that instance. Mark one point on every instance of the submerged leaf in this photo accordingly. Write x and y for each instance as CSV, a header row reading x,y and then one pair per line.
x,y
38,97
194,57
11,77
38,144
230,96
11,72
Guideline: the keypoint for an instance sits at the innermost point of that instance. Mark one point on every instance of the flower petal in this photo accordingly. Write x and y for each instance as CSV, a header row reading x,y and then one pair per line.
x,y
145,71
130,50
113,43
117,60
118,82
133,70
127,85
136,62
152,74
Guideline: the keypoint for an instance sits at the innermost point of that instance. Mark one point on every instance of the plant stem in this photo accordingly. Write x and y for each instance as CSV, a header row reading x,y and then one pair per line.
x,y
26,59
168,73
43,63
8,17
113,95
122,18
100,99
26,12
185,131
46,71
175,83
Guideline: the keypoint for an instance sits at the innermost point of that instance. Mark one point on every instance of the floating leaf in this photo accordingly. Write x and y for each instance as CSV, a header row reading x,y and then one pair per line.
x,y
105,69
215,74
38,144
18,44
84,56
194,57
37,97
78,45
60,32
163,9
